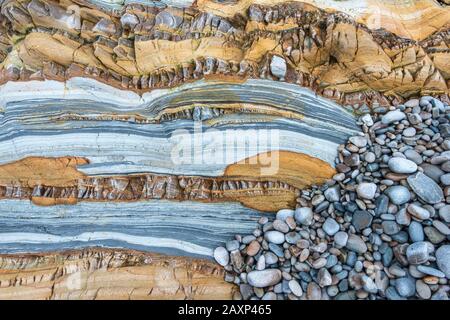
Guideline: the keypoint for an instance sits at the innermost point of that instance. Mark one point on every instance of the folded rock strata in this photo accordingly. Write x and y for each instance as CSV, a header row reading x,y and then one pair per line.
x,y
95,96
145,47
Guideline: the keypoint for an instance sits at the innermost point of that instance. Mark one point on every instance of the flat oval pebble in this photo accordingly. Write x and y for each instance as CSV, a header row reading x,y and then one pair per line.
x,y
295,288
274,236
431,271
418,211
401,165
443,259
355,243
425,188
393,116
221,256
405,287
444,213
417,253
304,215
398,194
284,213
264,278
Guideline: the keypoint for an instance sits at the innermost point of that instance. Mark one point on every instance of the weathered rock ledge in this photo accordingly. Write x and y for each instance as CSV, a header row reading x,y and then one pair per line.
x,y
97,273
143,48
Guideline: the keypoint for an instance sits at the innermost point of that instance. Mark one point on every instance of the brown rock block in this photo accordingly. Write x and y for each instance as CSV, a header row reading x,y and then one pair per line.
x,y
110,274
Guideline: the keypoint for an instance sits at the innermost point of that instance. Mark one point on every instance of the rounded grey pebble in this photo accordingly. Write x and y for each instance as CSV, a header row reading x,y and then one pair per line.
x,y
330,226
405,287
304,216
417,253
274,236
221,256
398,194
400,165
284,213
340,239
264,278
415,231
443,259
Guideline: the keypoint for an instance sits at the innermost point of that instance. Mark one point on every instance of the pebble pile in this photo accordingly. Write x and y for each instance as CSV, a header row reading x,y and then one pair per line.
x,y
379,229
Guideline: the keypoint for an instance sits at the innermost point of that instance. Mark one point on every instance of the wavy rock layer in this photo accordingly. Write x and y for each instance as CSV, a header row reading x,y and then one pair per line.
x,y
110,274
95,96
145,47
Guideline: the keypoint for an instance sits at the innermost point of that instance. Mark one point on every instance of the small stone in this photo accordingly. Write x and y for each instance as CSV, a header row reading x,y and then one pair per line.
x,y
441,227
253,248
412,103
232,245
409,132
284,213
264,278
417,253
269,296
398,194
381,205
432,171
423,290
361,220
414,156
313,291
366,190
415,231
390,227
393,116
405,287
236,259
340,239
295,288
418,211
304,216
358,141
445,179
444,213
292,237
261,262
324,278
433,235
332,194
431,271
281,226
370,157
352,160
400,165
246,291
355,243
367,120
425,188
278,67
221,256
274,236
270,257
443,259
403,218
330,226
368,284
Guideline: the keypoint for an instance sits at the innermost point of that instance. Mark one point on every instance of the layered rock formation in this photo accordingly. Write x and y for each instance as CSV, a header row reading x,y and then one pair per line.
x,y
110,274
169,127
142,48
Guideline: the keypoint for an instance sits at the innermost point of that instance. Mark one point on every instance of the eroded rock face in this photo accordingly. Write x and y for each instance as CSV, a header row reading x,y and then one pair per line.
x,y
110,274
142,48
